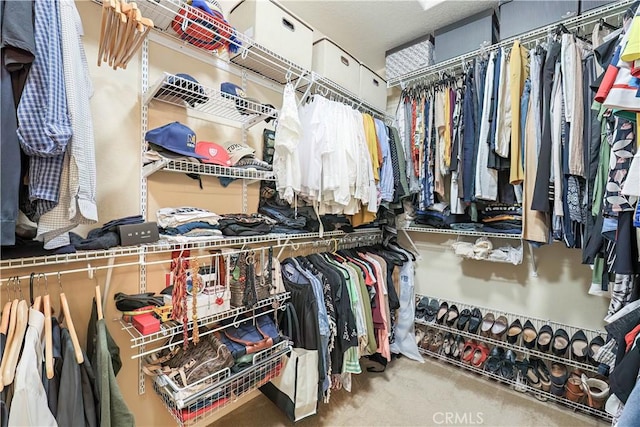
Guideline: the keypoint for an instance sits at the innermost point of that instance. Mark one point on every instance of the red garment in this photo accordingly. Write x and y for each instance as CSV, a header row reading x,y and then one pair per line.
x,y
607,83
630,338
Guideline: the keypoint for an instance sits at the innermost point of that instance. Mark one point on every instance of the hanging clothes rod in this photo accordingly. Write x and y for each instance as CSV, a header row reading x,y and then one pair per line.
x,y
453,65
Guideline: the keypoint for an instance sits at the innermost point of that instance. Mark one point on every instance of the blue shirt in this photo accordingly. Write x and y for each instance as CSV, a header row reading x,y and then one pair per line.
x,y
44,125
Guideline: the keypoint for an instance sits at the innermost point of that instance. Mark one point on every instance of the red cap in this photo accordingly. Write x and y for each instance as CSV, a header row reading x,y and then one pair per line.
x,y
213,153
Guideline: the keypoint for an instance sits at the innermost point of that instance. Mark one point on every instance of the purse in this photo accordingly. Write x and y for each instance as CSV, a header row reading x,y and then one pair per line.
x,y
248,338
186,368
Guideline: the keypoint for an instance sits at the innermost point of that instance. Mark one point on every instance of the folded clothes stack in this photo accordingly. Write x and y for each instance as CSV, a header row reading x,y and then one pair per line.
x,y
185,224
245,224
439,215
287,221
104,237
502,218
483,249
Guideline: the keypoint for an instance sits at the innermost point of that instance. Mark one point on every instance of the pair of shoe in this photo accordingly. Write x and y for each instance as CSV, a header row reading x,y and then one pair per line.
x,y
536,373
431,340
453,346
426,308
474,353
447,315
501,362
492,327
471,319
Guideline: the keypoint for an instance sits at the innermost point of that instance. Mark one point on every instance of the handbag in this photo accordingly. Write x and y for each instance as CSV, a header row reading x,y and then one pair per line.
x,y
188,367
295,392
250,338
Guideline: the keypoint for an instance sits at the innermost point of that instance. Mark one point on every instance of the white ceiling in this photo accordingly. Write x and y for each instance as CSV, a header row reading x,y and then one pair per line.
x,y
367,29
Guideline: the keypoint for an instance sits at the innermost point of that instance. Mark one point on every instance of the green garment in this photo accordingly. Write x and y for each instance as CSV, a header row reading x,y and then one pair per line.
x,y
113,409
366,305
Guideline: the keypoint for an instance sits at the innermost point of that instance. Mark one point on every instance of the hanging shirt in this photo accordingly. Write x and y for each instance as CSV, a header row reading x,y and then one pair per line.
x,y
286,164
503,125
386,171
571,62
486,180
44,126
518,73
29,405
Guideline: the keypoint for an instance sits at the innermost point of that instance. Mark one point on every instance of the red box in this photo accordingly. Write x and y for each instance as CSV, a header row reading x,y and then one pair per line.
x,y
146,323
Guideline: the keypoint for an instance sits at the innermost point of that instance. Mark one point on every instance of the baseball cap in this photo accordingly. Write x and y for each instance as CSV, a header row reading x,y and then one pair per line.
x,y
213,153
174,137
182,86
237,150
241,103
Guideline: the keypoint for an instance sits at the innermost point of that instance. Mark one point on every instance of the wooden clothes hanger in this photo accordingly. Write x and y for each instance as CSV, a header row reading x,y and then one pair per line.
x,y
66,313
18,321
48,331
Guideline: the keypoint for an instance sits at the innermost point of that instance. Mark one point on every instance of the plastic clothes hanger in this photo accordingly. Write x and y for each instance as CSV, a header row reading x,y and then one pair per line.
x,y
66,313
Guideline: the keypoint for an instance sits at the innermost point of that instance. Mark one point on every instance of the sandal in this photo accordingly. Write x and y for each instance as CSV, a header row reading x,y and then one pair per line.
x,y
458,347
475,320
465,315
487,323
452,315
447,344
558,378
499,327
436,343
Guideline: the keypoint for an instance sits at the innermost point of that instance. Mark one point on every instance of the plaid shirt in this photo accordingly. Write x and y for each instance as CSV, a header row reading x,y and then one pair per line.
x,y
44,126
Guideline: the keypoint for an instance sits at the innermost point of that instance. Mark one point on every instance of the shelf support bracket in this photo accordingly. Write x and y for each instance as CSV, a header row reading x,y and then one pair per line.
x,y
412,243
532,261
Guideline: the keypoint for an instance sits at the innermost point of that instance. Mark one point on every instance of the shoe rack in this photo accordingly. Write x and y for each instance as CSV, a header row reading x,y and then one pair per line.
x,y
518,381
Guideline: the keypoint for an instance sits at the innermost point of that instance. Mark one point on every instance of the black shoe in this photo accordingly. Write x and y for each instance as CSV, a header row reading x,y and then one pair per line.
x,y
529,335
579,346
545,335
421,307
442,312
447,344
494,361
452,315
514,331
594,346
463,319
432,310
475,321
560,342
508,365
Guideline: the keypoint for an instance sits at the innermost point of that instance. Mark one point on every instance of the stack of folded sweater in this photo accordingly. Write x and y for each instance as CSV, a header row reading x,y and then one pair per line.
x,y
185,224
502,218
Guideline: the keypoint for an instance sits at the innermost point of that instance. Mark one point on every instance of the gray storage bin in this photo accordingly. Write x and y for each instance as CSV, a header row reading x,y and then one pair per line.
x,y
520,16
466,35
586,5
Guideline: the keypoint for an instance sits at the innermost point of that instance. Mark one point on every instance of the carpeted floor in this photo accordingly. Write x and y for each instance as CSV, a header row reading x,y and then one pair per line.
x,y
413,394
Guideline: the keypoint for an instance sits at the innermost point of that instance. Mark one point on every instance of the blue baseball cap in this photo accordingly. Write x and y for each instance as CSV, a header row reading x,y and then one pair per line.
x,y
174,137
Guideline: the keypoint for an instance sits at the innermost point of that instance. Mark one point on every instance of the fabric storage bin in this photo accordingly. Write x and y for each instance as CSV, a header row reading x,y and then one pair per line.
x,y
373,88
269,25
586,5
466,35
335,64
539,14
409,57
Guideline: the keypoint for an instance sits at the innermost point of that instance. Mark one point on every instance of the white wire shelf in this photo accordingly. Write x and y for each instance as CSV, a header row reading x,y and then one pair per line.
x,y
425,229
168,329
219,106
251,56
80,256
183,166
549,396
225,389
511,317
432,72
277,239
165,246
